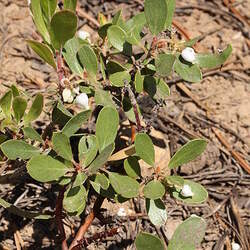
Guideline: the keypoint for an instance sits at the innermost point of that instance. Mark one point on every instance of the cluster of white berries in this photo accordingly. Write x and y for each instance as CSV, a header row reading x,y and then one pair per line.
x,y
186,191
188,54
81,99
235,246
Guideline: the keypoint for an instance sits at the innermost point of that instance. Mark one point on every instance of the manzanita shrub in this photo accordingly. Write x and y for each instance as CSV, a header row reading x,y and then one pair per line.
x,y
99,84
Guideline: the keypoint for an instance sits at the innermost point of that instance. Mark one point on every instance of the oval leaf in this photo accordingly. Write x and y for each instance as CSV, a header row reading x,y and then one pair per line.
x,y
116,37
154,190
43,51
170,13
62,146
5,102
156,211
188,234
132,167
144,148
106,127
35,110
19,106
187,71
44,168
164,64
14,149
199,193
188,152
31,134
124,185
146,241
156,15
63,27
210,61
75,123
88,59
117,79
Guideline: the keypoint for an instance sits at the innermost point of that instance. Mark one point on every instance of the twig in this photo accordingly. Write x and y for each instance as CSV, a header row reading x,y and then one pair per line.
x,y
88,221
59,218
235,154
83,14
59,70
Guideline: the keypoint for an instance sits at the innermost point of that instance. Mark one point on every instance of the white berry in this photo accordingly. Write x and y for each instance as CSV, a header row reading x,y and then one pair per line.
x,y
82,100
84,35
235,246
186,191
121,212
188,54
67,95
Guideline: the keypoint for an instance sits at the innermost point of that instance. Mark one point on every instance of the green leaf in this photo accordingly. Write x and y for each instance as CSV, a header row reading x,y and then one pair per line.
x,y
103,98
126,186
174,180
74,199
102,180
71,48
44,168
70,4
60,115
113,67
75,123
15,91
154,190
5,102
132,167
170,13
139,79
162,89
88,59
106,127
101,159
23,213
43,51
210,61
192,41
188,152
103,30
31,134
156,212
63,27
150,85
156,15
19,106
61,145
146,241
87,149
200,193
144,148
14,149
116,37
38,20
35,110
79,179
187,71
188,234
118,79
48,8
164,64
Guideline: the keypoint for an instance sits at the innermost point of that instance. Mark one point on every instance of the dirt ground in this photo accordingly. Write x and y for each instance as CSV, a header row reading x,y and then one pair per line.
x,y
216,107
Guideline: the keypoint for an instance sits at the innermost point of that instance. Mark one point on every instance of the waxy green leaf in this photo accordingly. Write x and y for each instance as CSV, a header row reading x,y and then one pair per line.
x,y
187,71
35,110
188,152
154,190
63,27
103,98
5,102
199,193
146,241
44,168
139,79
19,106
210,61
32,134
75,123
116,37
88,59
144,148
117,79
48,8
14,149
188,234
61,145
132,167
106,127
126,186
170,13
164,64
70,4
156,15
43,51
102,180
156,212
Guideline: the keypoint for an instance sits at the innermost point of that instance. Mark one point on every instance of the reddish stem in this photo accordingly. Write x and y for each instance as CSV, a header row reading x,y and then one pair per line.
x,y
59,69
